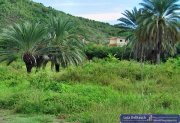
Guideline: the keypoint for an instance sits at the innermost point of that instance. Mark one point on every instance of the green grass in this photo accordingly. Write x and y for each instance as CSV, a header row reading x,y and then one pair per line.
x,y
7,116
94,92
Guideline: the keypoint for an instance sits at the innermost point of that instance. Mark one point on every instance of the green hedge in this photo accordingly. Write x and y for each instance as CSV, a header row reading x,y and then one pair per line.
x,y
121,53
104,51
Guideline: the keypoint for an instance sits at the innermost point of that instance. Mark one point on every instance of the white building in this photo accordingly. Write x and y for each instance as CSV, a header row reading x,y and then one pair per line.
x,y
118,41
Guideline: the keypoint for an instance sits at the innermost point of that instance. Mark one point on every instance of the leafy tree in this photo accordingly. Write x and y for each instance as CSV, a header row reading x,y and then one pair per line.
x,y
24,41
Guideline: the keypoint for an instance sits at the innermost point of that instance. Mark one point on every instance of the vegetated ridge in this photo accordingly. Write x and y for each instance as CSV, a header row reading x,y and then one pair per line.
x,y
15,11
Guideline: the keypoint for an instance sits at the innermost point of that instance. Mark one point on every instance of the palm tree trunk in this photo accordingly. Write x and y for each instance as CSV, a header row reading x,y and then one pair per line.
x,y
30,61
57,67
158,58
142,53
52,65
158,54
159,43
28,68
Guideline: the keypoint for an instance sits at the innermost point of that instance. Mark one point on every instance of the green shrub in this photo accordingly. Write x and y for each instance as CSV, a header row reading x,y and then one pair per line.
x,y
103,51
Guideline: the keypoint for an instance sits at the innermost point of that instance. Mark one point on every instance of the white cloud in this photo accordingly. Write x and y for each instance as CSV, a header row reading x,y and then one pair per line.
x,y
78,4
105,17
99,10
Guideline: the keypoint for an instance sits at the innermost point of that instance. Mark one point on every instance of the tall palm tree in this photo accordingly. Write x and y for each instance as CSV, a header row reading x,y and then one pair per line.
x,y
24,41
130,26
161,20
65,47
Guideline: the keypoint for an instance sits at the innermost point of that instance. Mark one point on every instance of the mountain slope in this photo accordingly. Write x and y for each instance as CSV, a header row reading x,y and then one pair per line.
x,y
15,11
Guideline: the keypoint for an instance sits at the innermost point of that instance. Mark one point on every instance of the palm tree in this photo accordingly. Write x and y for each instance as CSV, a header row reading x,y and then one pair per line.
x,y
130,26
161,20
24,41
65,47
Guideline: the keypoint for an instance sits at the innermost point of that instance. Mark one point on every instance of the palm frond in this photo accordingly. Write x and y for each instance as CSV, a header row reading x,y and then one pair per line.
x,y
19,39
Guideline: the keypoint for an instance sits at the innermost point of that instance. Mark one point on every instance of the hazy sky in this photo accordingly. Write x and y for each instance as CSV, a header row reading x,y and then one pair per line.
x,y
100,10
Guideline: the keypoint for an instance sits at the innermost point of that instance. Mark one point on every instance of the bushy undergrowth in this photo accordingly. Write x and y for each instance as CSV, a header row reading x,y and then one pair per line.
x,y
124,74
95,92
100,51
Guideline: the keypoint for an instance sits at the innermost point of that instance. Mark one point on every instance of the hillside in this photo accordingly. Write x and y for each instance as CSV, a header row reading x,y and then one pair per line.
x,y
13,11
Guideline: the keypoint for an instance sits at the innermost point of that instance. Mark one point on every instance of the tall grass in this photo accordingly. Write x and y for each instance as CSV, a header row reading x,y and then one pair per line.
x,y
95,92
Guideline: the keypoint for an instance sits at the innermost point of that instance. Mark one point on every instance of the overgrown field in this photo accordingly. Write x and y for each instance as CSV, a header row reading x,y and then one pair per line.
x,y
94,92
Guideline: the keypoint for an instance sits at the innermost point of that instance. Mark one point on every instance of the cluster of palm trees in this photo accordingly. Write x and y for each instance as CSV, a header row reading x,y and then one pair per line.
x,y
38,43
153,29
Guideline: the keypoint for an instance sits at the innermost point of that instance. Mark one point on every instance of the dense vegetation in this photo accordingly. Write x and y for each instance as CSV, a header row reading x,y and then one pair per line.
x,y
145,46
153,29
100,51
95,92
121,53
15,11
36,44
86,91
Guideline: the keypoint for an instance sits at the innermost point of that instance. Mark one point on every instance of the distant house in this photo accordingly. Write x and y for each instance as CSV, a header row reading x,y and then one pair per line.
x,y
118,41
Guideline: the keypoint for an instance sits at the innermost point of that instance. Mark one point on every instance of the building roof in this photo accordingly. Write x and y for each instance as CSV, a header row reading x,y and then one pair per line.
x,y
115,38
